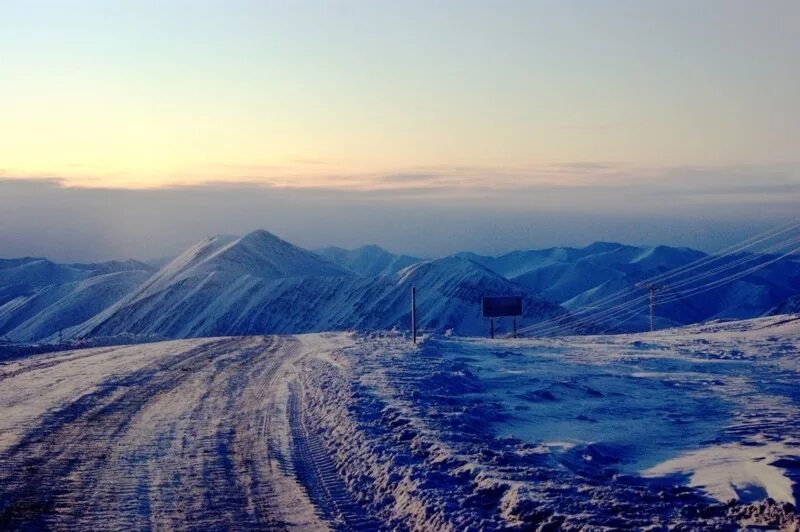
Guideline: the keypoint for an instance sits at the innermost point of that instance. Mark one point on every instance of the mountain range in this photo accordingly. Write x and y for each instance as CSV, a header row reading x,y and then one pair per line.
x,y
260,284
589,277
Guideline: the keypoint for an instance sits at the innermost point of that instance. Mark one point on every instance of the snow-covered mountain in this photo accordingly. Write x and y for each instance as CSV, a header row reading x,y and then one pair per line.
x,y
449,292
39,298
211,286
21,277
789,306
369,261
261,284
580,278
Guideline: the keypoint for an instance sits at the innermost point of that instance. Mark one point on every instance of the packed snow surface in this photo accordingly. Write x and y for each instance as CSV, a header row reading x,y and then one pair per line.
x,y
693,428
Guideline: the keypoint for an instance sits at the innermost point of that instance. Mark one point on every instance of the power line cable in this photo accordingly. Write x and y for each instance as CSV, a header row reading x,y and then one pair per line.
x,y
568,322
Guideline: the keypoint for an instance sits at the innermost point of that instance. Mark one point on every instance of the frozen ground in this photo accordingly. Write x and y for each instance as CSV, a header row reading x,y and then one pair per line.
x,y
693,428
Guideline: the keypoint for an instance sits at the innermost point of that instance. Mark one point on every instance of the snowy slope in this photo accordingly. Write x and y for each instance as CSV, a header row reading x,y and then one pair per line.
x,y
789,306
579,278
41,297
205,292
449,292
692,428
21,277
369,261
54,308
213,285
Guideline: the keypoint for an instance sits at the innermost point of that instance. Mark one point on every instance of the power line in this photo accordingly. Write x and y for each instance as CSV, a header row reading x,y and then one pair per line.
x,y
613,312
730,250
596,312
569,321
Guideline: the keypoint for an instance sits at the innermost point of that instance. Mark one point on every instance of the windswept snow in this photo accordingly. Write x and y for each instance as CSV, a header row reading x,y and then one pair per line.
x,y
619,431
693,428
749,471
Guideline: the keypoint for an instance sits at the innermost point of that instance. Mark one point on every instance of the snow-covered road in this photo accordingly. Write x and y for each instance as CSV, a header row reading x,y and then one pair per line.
x,y
199,433
361,432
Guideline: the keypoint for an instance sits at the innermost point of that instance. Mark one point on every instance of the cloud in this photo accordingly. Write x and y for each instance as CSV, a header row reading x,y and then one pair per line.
x,y
409,177
426,213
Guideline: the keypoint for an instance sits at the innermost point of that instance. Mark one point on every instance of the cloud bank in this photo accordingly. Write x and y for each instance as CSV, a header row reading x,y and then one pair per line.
x,y
428,212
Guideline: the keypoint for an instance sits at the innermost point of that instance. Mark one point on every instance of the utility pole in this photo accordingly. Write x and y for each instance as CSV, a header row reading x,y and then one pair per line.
x,y
652,288
414,313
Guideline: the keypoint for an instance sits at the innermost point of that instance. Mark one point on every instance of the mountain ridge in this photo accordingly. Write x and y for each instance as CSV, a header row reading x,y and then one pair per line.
x,y
259,283
369,261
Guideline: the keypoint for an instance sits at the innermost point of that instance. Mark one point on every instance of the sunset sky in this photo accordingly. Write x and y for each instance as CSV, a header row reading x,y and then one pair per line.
x,y
457,99
342,94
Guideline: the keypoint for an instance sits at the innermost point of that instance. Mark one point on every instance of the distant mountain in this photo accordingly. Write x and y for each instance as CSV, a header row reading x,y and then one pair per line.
x,y
449,292
368,261
789,306
113,266
213,280
259,254
38,298
22,277
260,284
582,278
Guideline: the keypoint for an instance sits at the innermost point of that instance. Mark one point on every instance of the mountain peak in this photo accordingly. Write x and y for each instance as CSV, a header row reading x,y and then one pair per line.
x,y
452,266
368,261
261,236
258,254
604,246
263,254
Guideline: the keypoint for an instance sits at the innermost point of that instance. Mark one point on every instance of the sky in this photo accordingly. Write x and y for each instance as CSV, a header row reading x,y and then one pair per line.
x,y
425,126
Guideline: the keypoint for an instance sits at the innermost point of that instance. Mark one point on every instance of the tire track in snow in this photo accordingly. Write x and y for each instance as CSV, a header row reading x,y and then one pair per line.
x,y
43,481
186,442
316,470
194,429
48,360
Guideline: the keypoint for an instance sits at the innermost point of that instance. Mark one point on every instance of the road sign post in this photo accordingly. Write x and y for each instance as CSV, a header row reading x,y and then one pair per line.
x,y
414,313
500,306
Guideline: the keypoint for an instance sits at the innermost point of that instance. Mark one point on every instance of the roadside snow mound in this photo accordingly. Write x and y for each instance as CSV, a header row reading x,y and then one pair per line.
x,y
693,428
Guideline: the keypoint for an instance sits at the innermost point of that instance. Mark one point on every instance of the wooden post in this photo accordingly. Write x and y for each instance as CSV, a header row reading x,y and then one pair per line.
x,y
414,313
514,322
491,327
